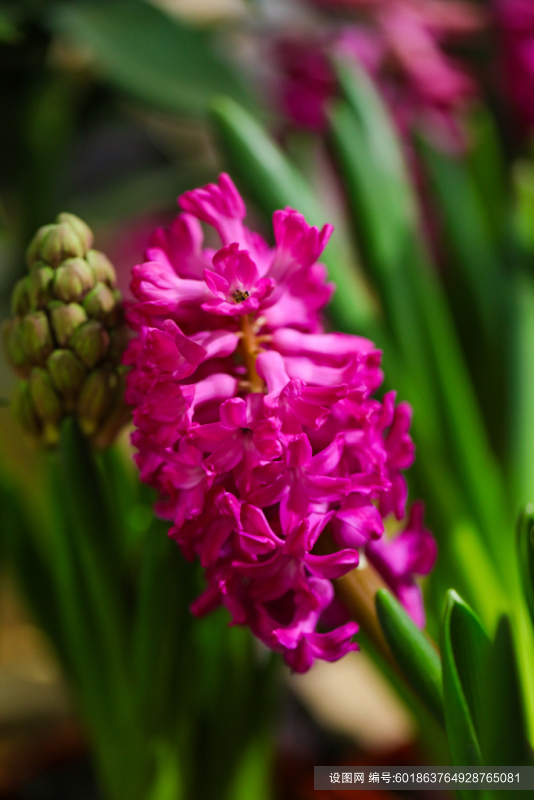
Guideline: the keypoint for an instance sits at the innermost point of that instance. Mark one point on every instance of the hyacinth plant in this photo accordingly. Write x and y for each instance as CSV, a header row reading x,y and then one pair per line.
x,y
276,458
259,431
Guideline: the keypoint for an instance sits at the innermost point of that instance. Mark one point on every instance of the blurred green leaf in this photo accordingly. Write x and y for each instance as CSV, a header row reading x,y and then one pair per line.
x,y
168,782
154,58
525,547
469,234
160,643
144,193
448,419
415,654
9,34
503,736
464,650
19,547
523,219
274,182
486,590
522,396
488,167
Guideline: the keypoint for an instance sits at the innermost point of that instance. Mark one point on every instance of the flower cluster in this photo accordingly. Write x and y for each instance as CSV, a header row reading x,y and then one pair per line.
x,y
259,431
400,44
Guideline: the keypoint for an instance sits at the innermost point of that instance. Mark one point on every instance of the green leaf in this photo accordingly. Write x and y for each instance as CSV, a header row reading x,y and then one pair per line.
x,y
19,546
503,736
521,416
448,417
154,58
274,182
168,781
414,652
161,632
523,182
469,234
525,546
464,650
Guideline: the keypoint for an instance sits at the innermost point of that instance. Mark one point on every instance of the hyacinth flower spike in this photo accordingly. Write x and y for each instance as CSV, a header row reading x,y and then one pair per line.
x,y
271,458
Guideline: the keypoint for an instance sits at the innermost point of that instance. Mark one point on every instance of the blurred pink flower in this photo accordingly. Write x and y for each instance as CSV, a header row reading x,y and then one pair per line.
x,y
258,430
516,25
400,44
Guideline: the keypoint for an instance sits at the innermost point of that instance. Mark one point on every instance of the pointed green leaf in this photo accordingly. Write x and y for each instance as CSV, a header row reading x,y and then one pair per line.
x,y
503,734
414,652
464,649
274,182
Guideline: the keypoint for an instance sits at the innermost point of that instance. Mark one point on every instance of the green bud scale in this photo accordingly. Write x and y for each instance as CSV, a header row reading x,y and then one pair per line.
x,y
66,336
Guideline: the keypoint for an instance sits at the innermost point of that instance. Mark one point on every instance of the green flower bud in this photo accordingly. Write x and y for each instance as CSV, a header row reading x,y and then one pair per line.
x,y
91,343
101,304
66,337
61,242
33,253
40,282
68,373
65,320
13,342
46,403
20,299
73,279
37,337
102,267
95,399
82,229
23,410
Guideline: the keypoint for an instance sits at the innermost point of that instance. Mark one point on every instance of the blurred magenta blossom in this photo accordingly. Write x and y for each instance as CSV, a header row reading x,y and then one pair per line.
x,y
259,430
516,25
399,42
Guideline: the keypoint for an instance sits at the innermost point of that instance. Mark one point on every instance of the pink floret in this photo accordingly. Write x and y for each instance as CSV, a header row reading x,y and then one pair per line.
x,y
250,477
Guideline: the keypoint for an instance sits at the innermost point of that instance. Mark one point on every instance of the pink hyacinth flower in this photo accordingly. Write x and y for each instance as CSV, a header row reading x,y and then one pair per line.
x,y
259,431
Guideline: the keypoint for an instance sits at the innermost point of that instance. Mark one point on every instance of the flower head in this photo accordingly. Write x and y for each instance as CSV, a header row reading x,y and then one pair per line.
x,y
66,337
400,44
271,458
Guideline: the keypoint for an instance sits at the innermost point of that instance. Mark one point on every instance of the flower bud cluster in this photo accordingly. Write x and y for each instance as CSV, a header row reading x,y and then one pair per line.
x,y
67,335
272,460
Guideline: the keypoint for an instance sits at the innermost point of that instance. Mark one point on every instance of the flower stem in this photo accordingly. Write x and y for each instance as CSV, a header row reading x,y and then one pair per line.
x,y
250,349
357,590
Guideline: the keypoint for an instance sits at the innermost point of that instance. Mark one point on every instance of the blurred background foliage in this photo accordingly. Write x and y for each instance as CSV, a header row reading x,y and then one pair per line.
x,y
111,109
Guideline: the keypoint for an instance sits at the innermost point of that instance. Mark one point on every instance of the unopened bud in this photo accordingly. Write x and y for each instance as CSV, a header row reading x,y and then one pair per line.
x,y
82,229
13,342
37,337
40,282
68,373
20,299
96,397
61,242
45,398
73,279
23,409
101,304
65,320
33,253
66,336
91,342
102,267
